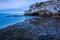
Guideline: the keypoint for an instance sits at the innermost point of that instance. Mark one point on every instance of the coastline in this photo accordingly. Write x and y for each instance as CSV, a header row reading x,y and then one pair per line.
x,y
33,29
46,27
10,19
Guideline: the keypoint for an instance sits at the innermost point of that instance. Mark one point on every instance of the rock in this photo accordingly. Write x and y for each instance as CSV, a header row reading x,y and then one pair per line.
x,y
44,28
48,8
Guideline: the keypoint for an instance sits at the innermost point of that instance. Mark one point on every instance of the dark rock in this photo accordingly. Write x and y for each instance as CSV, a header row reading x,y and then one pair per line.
x,y
44,28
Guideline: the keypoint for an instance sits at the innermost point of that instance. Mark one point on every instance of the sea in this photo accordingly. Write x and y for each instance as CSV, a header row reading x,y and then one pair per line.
x,y
9,19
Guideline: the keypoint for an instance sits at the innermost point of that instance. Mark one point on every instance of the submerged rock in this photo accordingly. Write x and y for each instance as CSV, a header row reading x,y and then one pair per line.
x,y
50,7
44,28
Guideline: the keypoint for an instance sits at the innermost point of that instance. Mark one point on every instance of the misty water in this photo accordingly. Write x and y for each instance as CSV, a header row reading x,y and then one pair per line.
x,y
7,20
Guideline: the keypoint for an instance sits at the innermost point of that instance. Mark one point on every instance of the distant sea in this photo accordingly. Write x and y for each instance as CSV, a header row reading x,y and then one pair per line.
x,y
7,19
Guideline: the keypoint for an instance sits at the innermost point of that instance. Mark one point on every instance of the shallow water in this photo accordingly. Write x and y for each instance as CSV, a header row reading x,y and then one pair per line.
x,y
6,20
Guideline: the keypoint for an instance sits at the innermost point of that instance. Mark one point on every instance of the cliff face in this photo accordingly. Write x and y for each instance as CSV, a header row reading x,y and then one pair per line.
x,y
42,8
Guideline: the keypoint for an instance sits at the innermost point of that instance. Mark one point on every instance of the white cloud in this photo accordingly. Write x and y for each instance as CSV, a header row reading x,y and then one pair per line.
x,y
8,4
14,4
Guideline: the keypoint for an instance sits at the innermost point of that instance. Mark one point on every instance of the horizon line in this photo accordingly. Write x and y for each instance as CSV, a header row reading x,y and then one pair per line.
x,y
12,12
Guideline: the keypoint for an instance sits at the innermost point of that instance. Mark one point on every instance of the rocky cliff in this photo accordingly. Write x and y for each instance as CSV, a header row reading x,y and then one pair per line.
x,y
49,8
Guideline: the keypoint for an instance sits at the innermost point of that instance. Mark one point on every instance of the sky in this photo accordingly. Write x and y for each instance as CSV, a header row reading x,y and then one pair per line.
x,y
16,6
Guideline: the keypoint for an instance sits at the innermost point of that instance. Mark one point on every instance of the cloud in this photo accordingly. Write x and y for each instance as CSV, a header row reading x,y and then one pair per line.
x,y
16,4
13,4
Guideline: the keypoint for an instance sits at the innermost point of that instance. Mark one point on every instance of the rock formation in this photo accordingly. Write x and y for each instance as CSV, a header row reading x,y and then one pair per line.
x,y
51,7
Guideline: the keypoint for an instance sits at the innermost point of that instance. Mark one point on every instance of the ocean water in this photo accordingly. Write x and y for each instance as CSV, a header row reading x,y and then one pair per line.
x,y
7,20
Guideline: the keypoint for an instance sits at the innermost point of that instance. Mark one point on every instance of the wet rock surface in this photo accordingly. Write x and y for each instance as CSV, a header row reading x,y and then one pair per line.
x,y
44,28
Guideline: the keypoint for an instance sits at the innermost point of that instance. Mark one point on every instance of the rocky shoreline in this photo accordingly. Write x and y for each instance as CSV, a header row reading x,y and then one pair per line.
x,y
43,28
